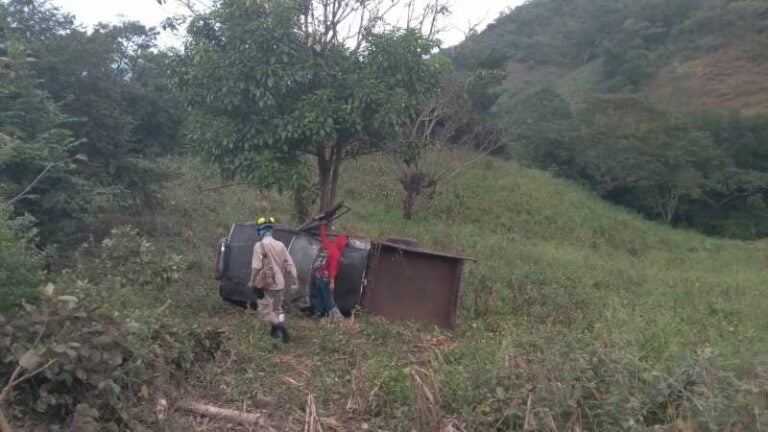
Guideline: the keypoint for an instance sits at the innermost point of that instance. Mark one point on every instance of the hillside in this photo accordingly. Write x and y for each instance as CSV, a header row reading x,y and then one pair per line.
x,y
592,313
620,233
688,56
638,100
578,315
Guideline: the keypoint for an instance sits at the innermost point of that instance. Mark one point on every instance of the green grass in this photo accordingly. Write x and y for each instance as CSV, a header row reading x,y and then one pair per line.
x,y
592,314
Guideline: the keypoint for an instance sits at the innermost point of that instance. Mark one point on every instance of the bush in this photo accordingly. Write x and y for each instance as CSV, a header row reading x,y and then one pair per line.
x,y
83,355
128,258
20,262
94,368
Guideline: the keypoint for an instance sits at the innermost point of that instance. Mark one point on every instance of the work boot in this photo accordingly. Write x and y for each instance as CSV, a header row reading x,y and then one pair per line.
x,y
278,331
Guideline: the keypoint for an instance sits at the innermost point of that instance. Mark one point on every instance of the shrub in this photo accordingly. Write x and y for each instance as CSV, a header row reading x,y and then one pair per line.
x,y
94,368
130,259
20,262
81,357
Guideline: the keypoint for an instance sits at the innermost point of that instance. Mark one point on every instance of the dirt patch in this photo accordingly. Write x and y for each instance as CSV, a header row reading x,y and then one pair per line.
x,y
723,81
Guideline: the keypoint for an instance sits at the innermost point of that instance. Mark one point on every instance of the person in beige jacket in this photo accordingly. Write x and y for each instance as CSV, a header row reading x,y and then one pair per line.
x,y
270,262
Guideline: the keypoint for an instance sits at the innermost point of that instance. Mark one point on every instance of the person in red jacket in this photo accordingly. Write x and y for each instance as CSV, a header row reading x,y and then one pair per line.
x,y
324,271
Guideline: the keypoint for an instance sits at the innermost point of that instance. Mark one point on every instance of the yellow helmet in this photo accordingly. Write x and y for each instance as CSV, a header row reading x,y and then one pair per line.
x,y
266,220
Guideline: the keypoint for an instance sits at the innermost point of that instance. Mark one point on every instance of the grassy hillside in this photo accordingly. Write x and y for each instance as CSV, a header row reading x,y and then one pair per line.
x,y
578,313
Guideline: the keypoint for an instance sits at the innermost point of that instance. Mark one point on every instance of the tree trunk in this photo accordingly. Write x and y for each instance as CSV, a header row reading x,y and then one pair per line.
x,y
329,163
300,203
666,201
338,158
416,183
408,202
324,178
410,193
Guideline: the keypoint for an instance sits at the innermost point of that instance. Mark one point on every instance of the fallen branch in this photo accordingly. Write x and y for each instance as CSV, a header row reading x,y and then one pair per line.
x,y
239,417
311,419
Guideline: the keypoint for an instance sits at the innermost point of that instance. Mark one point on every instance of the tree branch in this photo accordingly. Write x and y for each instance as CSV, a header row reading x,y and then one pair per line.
x,y
40,176
37,179
25,377
15,380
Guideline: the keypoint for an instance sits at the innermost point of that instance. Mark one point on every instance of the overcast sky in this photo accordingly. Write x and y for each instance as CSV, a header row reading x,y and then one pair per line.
x,y
149,12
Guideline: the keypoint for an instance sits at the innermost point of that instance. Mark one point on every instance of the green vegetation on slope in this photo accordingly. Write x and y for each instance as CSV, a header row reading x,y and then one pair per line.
x,y
602,319
20,263
630,98
635,38
579,315
623,322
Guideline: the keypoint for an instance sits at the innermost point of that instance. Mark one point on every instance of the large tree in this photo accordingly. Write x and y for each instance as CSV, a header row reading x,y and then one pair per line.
x,y
275,84
77,112
38,172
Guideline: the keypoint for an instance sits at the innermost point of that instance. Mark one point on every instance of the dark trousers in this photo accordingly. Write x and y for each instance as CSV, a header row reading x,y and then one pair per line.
x,y
321,296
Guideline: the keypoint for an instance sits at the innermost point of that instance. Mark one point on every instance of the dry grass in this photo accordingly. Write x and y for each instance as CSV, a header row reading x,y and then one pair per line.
x,y
426,396
723,81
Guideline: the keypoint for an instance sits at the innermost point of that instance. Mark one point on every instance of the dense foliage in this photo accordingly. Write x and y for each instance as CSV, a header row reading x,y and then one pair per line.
x,y
79,110
587,116
95,358
633,37
21,264
268,87
703,172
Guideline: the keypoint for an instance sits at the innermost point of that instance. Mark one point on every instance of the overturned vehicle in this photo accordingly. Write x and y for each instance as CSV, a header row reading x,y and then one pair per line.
x,y
394,278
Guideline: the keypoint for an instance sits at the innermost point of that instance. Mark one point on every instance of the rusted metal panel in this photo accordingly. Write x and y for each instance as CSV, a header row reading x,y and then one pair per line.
x,y
413,284
424,251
